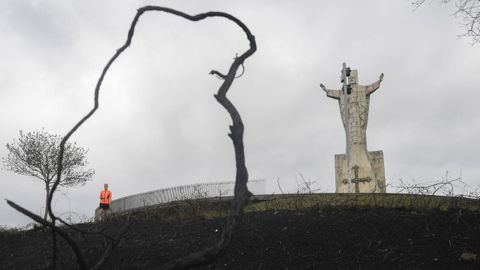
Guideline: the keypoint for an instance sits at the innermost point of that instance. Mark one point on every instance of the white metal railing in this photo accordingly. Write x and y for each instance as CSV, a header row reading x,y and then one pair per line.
x,y
178,193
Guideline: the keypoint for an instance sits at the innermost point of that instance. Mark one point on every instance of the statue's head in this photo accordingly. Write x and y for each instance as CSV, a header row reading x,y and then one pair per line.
x,y
353,78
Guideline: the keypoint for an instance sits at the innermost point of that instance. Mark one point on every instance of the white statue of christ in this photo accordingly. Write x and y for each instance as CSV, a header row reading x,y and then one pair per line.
x,y
358,106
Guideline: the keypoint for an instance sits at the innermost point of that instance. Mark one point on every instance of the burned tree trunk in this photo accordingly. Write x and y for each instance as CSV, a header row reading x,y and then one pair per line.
x,y
241,193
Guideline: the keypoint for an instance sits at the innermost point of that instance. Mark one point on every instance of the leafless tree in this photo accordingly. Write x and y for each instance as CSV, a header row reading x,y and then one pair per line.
x,y
36,154
469,13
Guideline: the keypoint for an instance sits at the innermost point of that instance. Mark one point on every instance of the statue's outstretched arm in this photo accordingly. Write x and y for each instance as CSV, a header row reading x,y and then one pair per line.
x,y
374,86
331,93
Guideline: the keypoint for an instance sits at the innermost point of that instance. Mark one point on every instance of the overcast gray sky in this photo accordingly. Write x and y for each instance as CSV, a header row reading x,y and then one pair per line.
x,y
159,126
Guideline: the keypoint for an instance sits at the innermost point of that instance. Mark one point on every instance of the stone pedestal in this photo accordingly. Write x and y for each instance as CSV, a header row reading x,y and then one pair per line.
x,y
373,183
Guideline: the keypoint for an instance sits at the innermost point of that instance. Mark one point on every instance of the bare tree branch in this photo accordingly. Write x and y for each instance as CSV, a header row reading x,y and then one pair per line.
x,y
469,13
56,229
241,193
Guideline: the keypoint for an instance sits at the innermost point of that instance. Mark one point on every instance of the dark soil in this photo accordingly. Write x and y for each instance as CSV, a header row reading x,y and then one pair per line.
x,y
334,238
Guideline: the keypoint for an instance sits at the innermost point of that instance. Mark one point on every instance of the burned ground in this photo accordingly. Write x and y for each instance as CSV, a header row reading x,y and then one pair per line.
x,y
314,238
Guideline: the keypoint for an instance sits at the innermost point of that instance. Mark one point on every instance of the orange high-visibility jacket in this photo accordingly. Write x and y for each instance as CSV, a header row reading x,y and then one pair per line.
x,y
105,196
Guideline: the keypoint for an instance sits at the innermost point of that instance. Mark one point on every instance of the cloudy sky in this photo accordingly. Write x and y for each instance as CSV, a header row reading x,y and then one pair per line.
x,y
159,126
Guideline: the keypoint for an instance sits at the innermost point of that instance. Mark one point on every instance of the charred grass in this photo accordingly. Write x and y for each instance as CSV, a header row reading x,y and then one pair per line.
x,y
318,231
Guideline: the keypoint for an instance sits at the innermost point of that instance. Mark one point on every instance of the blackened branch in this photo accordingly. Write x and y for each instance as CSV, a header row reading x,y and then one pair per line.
x,y
221,76
214,72
56,229
241,193
241,74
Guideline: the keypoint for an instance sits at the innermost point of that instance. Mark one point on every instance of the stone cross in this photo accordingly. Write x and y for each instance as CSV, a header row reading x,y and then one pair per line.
x,y
357,180
370,164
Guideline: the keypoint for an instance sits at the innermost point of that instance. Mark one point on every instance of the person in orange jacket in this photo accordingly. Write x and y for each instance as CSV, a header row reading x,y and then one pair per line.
x,y
105,198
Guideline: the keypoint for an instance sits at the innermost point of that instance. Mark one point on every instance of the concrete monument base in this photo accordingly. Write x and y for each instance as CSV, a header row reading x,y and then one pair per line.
x,y
375,184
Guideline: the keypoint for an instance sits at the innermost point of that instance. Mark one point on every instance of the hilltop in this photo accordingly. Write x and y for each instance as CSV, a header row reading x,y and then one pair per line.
x,y
302,237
